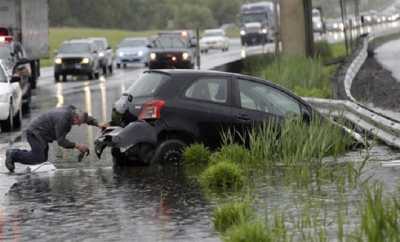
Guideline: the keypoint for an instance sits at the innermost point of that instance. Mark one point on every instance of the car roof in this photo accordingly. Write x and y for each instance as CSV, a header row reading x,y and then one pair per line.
x,y
214,30
134,38
88,41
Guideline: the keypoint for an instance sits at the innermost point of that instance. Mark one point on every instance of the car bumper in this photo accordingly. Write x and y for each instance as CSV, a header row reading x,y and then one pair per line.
x,y
73,69
217,45
159,64
4,110
125,60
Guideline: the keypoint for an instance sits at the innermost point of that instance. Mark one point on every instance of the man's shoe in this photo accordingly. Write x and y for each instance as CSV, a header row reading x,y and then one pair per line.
x,y
9,162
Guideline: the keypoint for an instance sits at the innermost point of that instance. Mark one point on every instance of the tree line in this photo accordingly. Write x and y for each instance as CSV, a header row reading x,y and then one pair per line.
x,y
163,14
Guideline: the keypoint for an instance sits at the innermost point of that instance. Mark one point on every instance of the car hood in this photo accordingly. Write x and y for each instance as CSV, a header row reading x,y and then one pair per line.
x,y
170,50
5,88
212,38
132,49
73,55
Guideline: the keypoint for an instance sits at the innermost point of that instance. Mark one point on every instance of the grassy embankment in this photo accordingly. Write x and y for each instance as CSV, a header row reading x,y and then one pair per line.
x,y
58,35
325,194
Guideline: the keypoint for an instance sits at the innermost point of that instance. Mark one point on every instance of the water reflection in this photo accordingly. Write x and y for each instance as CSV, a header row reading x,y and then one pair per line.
x,y
138,204
59,94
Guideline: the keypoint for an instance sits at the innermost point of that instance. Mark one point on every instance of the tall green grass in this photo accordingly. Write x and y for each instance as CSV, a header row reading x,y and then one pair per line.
x,y
231,214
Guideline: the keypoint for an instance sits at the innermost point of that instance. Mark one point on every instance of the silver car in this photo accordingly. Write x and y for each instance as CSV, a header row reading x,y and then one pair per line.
x,y
132,50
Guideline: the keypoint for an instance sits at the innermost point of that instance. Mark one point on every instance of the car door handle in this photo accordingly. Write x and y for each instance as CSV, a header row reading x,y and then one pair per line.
x,y
243,117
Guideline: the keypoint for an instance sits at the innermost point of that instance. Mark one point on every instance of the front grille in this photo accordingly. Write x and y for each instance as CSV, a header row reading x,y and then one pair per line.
x,y
70,61
253,30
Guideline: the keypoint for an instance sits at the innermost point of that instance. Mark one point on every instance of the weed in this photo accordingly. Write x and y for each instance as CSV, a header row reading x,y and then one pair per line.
x,y
231,214
222,176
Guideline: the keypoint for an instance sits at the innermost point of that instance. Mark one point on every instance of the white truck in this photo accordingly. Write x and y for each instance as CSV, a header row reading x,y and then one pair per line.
x,y
26,21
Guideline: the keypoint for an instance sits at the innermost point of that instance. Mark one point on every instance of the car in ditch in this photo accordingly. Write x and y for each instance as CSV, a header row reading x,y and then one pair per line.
x,y
214,39
165,110
105,54
77,57
171,51
10,99
132,51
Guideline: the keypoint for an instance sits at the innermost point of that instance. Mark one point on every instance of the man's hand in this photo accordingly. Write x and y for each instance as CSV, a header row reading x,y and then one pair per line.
x,y
82,148
103,126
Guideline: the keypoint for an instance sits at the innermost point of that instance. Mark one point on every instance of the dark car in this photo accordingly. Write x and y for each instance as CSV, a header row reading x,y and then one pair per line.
x,y
171,51
105,54
14,59
163,111
77,57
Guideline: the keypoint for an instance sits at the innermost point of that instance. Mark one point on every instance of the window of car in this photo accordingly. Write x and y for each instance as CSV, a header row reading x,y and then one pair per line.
x,y
169,42
213,33
101,44
5,52
147,84
209,89
264,98
68,48
132,43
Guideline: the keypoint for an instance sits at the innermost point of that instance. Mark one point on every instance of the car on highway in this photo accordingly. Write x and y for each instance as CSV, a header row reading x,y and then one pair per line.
x,y
14,59
334,25
132,50
171,51
77,57
105,53
165,110
10,100
214,39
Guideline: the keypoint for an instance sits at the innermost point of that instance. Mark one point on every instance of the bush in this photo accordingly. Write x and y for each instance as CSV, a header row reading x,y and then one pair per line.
x,y
231,214
222,176
246,232
196,154
232,152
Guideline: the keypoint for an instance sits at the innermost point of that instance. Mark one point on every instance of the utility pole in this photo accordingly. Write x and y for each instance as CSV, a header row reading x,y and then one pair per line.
x,y
277,37
296,27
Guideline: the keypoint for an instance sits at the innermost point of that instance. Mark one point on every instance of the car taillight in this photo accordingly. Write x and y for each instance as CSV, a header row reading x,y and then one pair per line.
x,y
151,109
6,39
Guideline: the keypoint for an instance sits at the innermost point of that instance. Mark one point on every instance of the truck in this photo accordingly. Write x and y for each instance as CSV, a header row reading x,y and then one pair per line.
x,y
26,21
257,23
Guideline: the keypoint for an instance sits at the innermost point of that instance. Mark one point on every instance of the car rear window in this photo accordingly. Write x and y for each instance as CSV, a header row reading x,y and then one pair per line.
x,y
147,84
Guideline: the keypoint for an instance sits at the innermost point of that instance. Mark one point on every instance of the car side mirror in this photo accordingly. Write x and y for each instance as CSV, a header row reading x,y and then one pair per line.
x,y
149,46
15,79
109,48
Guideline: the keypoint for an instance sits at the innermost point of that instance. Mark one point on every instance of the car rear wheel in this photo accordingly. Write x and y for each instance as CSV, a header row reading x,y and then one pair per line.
x,y
169,151
118,66
8,124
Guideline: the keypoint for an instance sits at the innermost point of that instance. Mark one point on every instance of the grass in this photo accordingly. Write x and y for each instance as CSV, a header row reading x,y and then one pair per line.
x,y
222,176
58,35
231,214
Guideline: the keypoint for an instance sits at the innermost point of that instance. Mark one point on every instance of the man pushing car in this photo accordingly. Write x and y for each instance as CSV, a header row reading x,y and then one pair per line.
x,y
53,125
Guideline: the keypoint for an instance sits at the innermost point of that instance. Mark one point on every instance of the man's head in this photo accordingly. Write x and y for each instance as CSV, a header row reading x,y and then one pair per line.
x,y
79,117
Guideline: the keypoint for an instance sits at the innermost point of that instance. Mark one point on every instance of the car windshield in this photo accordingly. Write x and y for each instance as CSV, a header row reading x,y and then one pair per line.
x,y
251,18
213,33
133,43
75,48
3,77
147,84
169,42
101,45
5,52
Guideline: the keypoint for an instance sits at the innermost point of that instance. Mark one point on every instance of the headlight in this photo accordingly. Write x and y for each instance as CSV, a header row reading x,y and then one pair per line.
x,y
101,54
242,32
335,26
120,54
85,60
185,56
140,53
58,61
173,58
153,56
264,31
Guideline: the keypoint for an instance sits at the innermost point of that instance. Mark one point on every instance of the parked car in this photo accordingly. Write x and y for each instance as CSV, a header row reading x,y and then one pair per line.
x,y
13,56
77,57
132,50
10,100
214,39
105,53
171,51
163,111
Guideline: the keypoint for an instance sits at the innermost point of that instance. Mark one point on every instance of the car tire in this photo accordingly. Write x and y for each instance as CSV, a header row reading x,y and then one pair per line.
x,y
56,78
124,65
17,119
110,69
169,151
104,69
96,75
64,78
90,76
118,66
8,124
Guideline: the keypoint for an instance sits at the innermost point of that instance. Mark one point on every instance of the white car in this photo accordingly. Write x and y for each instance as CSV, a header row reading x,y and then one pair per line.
x,y
214,39
10,100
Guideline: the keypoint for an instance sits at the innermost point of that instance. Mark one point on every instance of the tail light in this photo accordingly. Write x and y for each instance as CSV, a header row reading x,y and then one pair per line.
x,y
6,39
151,109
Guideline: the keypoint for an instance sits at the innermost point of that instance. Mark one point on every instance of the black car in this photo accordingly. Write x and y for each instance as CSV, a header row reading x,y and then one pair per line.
x,y
77,57
171,51
14,58
163,111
